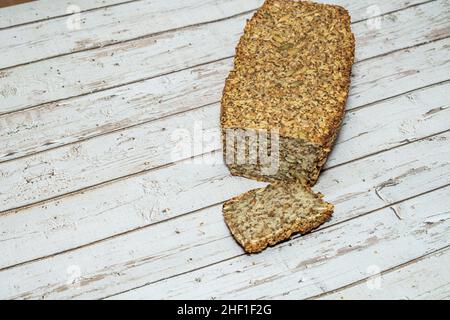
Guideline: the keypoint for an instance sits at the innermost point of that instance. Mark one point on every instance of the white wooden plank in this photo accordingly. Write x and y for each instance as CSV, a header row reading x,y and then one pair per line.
x,y
363,10
76,166
103,68
428,278
47,9
127,204
98,69
62,224
56,124
136,258
375,80
392,122
114,24
429,21
318,262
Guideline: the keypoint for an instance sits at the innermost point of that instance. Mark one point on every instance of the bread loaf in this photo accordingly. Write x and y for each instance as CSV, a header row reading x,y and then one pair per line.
x,y
290,78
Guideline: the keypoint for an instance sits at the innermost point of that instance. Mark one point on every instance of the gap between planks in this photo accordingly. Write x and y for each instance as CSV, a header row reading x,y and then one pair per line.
x,y
68,140
159,167
155,34
321,228
78,292
206,207
63,12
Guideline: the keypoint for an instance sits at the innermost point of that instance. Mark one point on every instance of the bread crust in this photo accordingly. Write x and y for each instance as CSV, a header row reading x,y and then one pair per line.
x,y
291,71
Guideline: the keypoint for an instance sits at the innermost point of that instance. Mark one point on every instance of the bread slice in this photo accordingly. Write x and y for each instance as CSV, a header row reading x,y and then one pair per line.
x,y
291,74
266,216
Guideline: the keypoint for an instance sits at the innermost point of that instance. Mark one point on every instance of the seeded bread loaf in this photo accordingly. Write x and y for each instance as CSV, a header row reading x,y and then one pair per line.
x,y
266,216
291,73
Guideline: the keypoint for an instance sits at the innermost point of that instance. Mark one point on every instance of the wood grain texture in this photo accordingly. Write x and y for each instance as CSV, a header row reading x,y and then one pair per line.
x,y
355,189
107,67
114,24
119,207
47,9
103,68
425,279
56,124
118,23
127,204
94,161
365,130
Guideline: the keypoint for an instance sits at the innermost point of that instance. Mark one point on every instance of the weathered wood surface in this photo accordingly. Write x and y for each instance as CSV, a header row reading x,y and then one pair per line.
x,y
412,116
113,24
94,203
426,278
302,268
112,156
356,189
47,9
98,28
128,62
56,124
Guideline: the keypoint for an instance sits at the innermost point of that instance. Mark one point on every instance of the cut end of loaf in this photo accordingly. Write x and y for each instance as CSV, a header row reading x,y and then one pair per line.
x,y
291,159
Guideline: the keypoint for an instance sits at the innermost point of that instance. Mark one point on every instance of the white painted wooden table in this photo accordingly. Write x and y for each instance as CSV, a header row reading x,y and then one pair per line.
x,y
95,203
